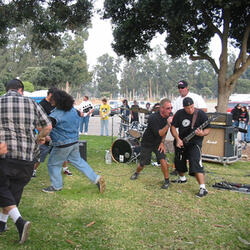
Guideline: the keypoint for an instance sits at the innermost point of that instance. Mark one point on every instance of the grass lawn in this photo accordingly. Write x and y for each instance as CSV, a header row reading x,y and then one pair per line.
x,y
133,214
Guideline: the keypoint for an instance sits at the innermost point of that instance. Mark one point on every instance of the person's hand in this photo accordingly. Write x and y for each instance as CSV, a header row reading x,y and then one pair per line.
x,y
41,140
170,119
3,148
179,143
199,132
162,148
47,138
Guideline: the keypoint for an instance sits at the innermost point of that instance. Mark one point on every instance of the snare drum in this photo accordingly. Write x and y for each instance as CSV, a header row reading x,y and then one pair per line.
x,y
134,130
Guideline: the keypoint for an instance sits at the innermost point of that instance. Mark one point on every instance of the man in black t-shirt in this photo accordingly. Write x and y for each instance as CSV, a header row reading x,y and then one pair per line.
x,y
153,140
134,112
186,123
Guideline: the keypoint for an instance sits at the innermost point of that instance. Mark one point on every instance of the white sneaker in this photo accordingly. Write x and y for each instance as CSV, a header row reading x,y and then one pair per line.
x,y
86,133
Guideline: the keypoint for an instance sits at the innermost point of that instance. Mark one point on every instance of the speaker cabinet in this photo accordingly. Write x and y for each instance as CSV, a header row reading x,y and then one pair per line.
x,y
219,142
83,149
222,119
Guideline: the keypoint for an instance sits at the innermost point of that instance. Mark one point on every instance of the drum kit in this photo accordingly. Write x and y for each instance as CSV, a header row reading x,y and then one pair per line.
x,y
127,147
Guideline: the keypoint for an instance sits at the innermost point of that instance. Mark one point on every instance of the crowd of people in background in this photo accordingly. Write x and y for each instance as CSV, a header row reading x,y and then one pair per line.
x,y
240,117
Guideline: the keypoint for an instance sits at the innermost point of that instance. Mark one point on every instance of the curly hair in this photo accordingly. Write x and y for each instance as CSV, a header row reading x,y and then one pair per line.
x,y
63,100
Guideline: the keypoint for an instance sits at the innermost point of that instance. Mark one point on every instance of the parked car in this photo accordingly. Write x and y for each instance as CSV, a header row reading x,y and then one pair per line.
x,y
231,105
96,110
115,106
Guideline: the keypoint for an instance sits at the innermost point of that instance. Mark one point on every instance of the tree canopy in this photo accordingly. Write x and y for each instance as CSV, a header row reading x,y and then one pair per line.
x,y
47,18
189,27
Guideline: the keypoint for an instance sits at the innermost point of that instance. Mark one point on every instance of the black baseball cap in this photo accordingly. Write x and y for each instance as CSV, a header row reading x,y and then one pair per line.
x,y
14,84
182,84
187,101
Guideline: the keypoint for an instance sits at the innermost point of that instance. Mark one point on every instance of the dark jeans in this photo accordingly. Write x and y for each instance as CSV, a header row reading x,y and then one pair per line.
x,y
14,175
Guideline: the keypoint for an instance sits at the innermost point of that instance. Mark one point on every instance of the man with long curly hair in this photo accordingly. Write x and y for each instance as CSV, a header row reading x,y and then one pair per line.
x,y
64,135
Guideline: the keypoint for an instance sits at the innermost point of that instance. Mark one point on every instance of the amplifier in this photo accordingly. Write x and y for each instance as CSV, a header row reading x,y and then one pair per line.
x,y
220,141
83,149
222,119
220,145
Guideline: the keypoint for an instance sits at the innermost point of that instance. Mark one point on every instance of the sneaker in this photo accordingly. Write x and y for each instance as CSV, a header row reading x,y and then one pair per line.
x,y
85,133
165,185
179,181
174,172
101,185
33,174
3,227
202,192
134,176
50,189
23,228
67,172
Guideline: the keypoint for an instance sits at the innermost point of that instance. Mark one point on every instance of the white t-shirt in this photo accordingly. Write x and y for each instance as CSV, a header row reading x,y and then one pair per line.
x,y
198,102
85,107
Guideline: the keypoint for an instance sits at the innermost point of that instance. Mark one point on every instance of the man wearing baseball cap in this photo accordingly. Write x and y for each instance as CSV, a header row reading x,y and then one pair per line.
x,y
184,92
187,120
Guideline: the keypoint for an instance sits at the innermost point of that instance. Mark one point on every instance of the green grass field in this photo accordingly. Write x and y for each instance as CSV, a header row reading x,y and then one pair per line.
x,y
133,214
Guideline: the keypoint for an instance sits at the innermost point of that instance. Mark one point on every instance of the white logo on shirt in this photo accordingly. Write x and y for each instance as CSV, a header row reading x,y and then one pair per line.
x,y
185,123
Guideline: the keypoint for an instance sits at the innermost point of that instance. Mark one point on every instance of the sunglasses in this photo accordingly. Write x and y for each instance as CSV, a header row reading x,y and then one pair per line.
x,y
181,87
170,108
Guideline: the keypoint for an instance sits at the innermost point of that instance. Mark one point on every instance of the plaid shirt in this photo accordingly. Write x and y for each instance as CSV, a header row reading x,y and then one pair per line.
x,y
19,117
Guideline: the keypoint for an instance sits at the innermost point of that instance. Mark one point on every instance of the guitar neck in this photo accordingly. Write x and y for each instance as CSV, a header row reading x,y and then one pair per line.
x,y
190,136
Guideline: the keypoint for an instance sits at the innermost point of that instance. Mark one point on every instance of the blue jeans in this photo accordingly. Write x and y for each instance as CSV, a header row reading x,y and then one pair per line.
x,y
44,151
84,122
59,155
105,125
244,126
248,133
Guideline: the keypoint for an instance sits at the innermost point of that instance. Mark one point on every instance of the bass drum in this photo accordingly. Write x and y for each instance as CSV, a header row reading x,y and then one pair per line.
x,y
122,150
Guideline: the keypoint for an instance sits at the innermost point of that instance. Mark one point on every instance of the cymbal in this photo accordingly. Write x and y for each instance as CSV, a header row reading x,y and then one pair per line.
x,y
142,110
124,119
134,109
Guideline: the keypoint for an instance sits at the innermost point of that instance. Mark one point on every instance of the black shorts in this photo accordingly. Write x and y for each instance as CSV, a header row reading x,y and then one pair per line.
x,y
146,153
192,152
14,175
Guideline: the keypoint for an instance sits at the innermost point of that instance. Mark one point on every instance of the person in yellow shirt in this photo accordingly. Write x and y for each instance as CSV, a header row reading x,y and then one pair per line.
x,y
104,113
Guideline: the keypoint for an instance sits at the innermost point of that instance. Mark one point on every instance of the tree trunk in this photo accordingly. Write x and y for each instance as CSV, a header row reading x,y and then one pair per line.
x,y
223,96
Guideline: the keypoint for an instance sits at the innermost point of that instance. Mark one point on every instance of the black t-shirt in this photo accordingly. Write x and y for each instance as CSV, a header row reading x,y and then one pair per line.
x,y
135,114
151,135
183,121
46,106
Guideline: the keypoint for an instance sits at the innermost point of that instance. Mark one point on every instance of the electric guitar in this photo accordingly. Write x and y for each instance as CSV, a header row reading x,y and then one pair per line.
x,y
179,151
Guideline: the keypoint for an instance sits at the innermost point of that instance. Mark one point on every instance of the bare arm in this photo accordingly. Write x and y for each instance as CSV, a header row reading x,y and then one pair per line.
x,y
43,132
203,132
3,148
179,142
164,130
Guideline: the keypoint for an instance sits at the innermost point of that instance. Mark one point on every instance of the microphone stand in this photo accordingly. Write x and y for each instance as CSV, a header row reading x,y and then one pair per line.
x,y
112,129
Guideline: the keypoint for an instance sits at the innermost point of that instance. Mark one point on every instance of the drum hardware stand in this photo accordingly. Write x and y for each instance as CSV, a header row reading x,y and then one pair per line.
x,y
134,157
112,129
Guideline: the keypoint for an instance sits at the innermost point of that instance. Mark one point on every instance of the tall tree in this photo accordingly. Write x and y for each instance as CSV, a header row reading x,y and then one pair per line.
x,y
48,18
190,26
106,75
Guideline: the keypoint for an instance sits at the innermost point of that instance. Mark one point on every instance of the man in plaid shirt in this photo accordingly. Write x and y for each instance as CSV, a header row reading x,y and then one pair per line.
x,y
19,117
